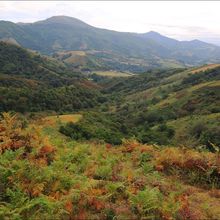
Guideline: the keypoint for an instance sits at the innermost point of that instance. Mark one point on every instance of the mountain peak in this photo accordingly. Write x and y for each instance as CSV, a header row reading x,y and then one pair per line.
x,y
153,33
197,41
62,19
63,33
156,35
161,39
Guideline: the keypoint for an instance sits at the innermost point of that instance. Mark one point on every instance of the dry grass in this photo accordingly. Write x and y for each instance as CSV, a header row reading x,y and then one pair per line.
x,y
204,68
113,74
187,92
205,84
74,56
77,52
53,120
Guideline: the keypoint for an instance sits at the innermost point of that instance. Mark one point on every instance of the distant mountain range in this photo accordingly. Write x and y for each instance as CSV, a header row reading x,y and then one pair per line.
x,y
62,33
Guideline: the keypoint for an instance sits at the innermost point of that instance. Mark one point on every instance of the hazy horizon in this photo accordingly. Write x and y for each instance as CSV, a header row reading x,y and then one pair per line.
x,y
178,20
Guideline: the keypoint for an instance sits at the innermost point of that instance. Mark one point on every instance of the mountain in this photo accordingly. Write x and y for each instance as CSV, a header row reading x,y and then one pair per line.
x,y
106,47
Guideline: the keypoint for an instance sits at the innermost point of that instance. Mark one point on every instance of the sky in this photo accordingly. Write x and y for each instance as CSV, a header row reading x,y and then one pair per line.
x,y
182,20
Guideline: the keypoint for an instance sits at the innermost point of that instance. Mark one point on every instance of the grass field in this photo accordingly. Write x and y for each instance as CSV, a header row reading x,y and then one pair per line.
x,y
113,74
187,92
204,68
76,52
53,120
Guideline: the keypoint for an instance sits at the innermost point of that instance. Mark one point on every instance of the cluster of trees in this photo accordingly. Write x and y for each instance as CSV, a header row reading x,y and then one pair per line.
x,y
62,99
138,83
206,135
95,125
113,128
15,60
30,82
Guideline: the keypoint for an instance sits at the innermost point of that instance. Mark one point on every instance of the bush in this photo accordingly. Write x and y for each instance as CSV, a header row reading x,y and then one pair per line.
x,y
161,135
75,131
95,126
211,136
153,117
198,128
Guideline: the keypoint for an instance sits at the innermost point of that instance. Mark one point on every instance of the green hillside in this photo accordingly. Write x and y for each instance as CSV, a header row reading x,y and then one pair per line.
x,y
178,107
30,82
149,106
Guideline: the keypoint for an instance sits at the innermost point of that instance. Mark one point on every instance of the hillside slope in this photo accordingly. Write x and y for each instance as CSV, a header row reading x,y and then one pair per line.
x,y
30,82
44,174
178,107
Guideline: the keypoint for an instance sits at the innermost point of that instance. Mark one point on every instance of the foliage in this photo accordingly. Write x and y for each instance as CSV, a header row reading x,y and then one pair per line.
x,y
75,180
101,128
35,83
198,168
161,107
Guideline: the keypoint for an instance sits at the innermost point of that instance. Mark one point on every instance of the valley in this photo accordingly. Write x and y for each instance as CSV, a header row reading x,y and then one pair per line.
x,y
99,124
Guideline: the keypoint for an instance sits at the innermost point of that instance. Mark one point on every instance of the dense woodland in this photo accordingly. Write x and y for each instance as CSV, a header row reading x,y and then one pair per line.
x,y
30,82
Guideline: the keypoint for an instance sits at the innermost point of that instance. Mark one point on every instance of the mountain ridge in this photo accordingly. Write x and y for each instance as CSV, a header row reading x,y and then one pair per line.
x,y
63,33
64,18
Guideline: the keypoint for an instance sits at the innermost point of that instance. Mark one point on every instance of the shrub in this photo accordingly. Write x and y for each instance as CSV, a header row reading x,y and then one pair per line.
x,y
197,167
211,136
198,128
154,137
75,131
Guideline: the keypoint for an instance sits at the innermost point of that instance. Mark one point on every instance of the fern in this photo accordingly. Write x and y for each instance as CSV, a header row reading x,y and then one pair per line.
x,y
146,202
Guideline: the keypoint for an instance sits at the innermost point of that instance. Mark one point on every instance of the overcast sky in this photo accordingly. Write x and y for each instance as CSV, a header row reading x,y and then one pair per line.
x,y
183,20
